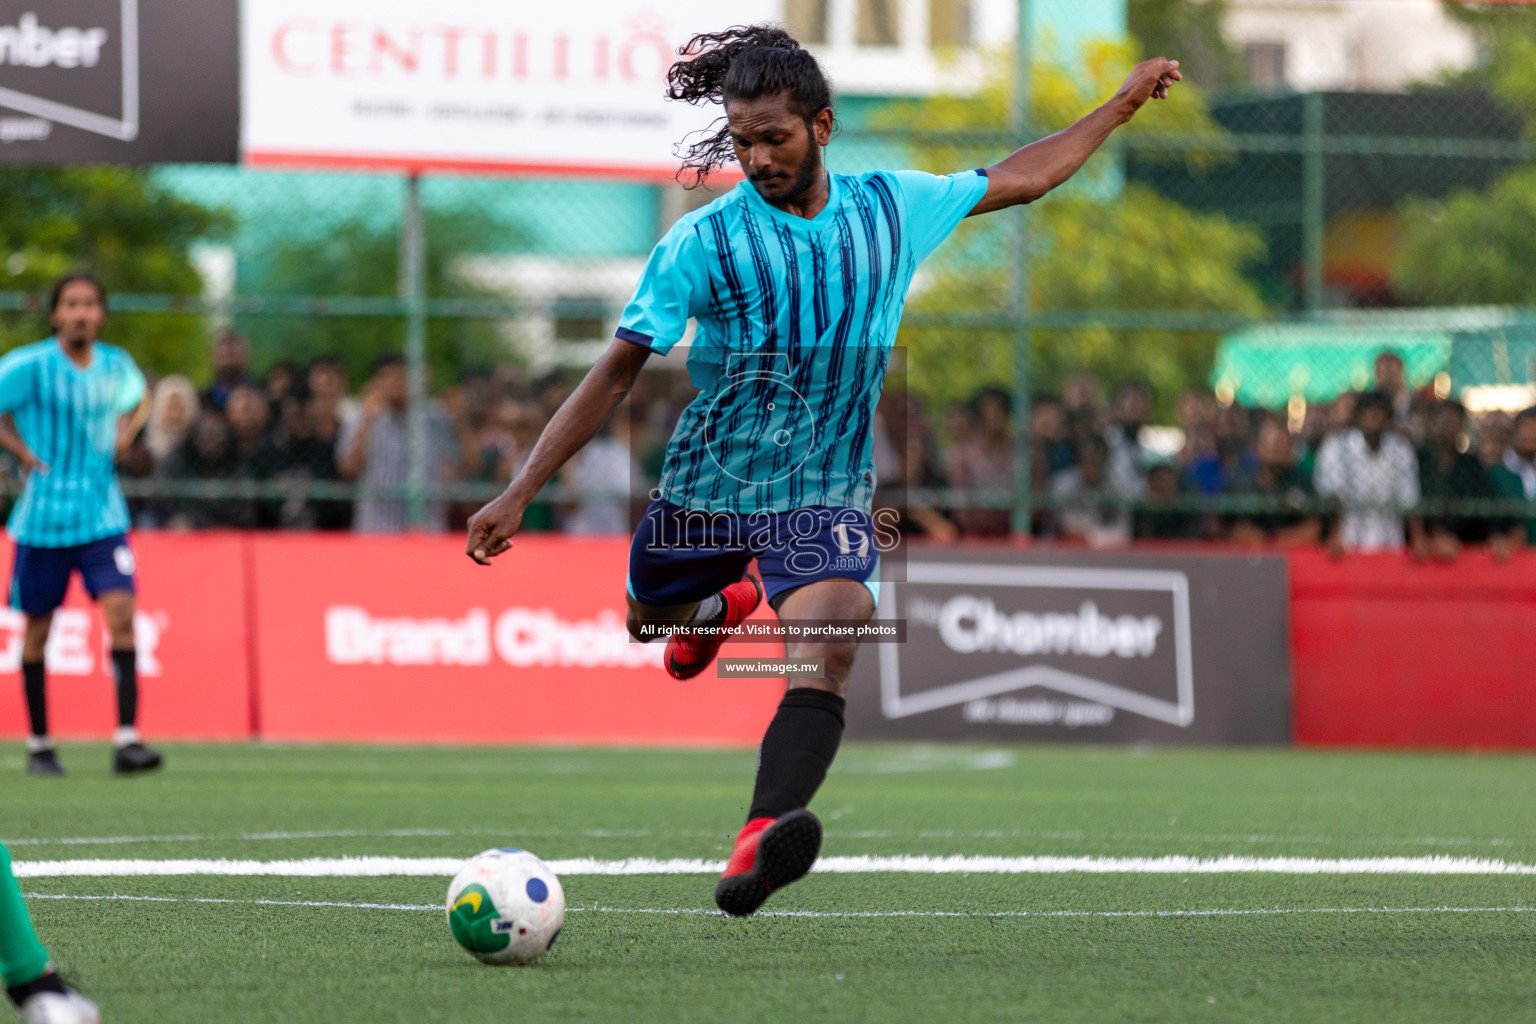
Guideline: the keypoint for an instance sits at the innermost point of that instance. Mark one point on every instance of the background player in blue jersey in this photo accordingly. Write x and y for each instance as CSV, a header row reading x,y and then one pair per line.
x,y
795,281
75,405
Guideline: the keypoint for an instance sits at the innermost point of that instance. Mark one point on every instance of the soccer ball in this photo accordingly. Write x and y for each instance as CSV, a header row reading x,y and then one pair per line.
x,y
52,1008
506,907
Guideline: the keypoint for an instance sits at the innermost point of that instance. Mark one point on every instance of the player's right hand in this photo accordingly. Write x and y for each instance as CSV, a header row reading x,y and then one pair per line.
x,y
32,464
491,529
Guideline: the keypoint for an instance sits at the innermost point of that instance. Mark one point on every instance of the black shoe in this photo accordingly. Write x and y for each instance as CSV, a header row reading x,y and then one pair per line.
x,y
785,853
44,762
135,757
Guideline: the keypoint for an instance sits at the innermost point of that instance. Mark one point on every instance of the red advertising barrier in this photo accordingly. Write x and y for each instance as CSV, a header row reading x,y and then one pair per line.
x,y
1387,652
349,638
404,639
192,635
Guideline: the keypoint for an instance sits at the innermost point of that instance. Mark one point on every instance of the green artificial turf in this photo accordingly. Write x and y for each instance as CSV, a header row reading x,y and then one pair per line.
x,y
172,959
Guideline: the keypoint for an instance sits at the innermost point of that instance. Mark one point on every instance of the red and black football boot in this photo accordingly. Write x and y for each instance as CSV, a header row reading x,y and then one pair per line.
x,y
690,653
770,853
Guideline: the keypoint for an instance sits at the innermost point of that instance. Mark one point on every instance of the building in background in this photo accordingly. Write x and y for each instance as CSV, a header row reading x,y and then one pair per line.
x,y
881,48
1347,45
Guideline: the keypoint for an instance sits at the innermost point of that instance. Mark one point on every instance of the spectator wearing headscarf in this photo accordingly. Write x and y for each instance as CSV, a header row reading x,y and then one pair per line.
x,y
171,414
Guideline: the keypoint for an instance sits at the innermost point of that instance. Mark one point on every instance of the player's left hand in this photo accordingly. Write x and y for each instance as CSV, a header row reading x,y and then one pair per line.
x,y
491,529
32,464
1149,80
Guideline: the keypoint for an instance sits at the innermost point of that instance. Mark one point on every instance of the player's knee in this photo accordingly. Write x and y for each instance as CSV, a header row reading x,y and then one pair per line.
x,y
840,664
636,626
837,665
122,635
120,618
35,641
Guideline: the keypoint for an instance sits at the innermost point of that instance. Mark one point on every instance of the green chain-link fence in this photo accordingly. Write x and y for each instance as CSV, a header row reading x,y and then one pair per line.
x,y
1177,337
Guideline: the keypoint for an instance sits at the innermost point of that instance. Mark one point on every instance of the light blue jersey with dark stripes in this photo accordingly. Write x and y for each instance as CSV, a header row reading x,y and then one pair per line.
x,y
796,319
68,416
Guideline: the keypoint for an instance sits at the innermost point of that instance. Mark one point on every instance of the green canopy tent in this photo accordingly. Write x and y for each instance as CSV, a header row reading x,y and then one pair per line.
x,y
1265,367
1478,346
1497,356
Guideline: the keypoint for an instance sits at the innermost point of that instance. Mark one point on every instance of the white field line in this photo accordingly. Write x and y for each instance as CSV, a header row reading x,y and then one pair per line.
x,y
326,867
398,833
831,833
705,912
119,898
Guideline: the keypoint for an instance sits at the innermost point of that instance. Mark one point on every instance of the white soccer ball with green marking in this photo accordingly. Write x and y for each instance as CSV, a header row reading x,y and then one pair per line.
x,y
506,907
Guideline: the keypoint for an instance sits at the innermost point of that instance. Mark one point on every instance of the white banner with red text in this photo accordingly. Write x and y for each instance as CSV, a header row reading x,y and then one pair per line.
x,y
473,85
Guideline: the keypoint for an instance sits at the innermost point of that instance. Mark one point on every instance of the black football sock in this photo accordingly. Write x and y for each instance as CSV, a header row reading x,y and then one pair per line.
x,y
48,981
797,750
34,682
126,666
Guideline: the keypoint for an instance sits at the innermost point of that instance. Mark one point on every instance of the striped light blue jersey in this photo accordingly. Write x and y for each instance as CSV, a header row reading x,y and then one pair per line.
x,y
796,319
68,416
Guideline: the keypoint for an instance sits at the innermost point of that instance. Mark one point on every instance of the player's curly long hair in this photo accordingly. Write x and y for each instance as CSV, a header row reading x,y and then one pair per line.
x,y
745,62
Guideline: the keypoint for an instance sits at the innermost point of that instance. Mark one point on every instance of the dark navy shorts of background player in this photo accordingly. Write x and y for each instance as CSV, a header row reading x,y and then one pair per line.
x,y
40,576
678,556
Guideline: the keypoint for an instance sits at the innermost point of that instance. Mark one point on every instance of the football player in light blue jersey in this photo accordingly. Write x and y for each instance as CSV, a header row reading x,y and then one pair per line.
x,y
75,405
794,282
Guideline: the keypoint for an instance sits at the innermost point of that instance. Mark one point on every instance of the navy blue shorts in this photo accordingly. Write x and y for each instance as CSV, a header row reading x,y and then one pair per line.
x,y
680,556
40,576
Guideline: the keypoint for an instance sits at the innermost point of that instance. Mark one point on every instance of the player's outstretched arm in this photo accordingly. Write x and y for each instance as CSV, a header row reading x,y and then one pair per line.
x,y
573,425
1029,173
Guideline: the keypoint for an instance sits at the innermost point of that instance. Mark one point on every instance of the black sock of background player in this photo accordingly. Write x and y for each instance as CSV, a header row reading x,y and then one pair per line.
x,y
34,681
126,666
797,750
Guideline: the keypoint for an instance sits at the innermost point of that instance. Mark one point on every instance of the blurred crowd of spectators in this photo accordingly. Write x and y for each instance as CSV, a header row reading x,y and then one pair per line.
x,y
1384,469
1349,473
300,426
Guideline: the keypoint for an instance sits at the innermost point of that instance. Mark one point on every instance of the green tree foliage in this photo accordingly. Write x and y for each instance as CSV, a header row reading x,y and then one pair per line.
x,y
118,223
363,259
1506,36
1472,248
1144,252
1096,245
1478,247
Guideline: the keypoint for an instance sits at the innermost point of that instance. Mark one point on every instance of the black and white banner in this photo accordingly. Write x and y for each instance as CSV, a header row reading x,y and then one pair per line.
x,y
119,81
1079,646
